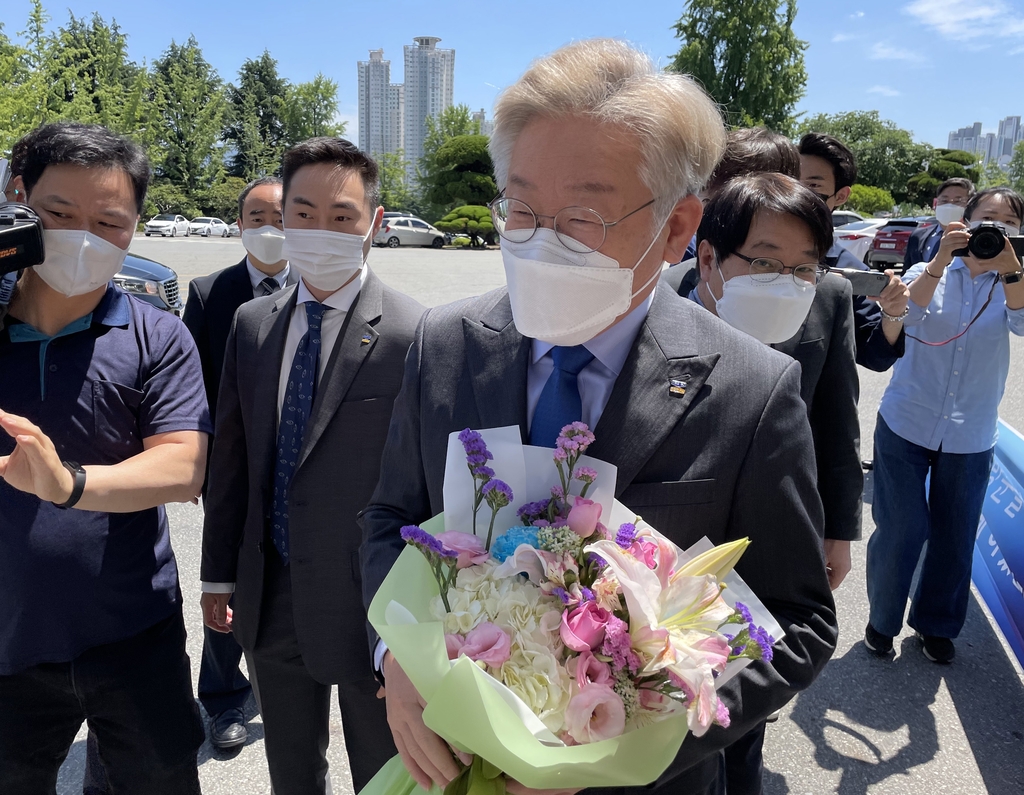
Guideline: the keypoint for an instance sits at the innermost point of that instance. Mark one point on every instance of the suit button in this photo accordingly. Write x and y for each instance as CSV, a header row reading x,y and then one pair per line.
x,y
259,547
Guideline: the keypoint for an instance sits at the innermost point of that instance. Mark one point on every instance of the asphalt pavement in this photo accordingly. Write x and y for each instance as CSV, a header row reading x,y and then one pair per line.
x,y
901,727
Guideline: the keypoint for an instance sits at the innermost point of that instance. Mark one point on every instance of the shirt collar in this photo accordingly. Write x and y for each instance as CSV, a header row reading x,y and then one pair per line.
x,y
340,299
611,346
256,275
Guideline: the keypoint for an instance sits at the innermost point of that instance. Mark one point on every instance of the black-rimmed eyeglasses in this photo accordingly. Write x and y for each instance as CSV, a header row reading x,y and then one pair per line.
x,y
768,269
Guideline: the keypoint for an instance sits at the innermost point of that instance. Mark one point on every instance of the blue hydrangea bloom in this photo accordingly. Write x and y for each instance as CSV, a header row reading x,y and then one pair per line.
x,y
506,544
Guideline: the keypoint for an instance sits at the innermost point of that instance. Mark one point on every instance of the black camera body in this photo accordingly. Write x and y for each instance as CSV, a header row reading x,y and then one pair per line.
x,y
987,242
21,237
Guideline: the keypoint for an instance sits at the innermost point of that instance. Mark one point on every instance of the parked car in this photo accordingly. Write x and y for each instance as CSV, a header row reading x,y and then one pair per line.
x,y
890,243
856,237
167,225
234,231
408,231
208,227
844,217
154,283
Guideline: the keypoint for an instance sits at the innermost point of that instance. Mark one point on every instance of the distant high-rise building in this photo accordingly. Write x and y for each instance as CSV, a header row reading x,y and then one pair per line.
x,y
486,127
394,121
429,89
996,146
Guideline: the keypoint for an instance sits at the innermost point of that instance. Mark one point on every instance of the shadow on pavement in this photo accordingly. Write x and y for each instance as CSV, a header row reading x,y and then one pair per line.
x,y
873,719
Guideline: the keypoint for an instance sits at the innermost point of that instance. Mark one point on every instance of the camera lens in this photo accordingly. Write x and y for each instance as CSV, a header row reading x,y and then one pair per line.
x,y
986,241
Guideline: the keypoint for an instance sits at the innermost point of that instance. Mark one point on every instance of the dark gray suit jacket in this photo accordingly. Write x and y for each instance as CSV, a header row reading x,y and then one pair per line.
x,y
335,477
732,457
830,387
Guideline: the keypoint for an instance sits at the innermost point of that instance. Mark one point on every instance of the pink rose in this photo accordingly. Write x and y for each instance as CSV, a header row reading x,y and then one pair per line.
x,y
471,548
644,550
590,670
595,713
454,644
583,517
488,644
583,628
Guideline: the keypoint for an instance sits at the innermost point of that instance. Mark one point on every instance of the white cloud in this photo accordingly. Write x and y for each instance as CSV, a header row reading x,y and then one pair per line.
x,y
885,91
883,51
857,15
840,37
959,21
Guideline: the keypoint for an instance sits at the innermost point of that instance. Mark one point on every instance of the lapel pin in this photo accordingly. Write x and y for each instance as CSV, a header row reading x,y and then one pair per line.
x,y
367,339
676,388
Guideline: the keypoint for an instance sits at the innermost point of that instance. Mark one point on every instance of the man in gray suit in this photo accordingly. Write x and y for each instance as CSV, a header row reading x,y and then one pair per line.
x,y
310,376
599,155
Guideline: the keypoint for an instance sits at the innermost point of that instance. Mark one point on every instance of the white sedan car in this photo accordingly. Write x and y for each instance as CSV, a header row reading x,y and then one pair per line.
x,y
167,225
858,236
208,227
408,231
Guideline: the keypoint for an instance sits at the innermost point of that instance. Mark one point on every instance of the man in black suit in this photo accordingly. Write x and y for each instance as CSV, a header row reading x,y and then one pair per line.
x,y
598,155
310,376
949,203
212,301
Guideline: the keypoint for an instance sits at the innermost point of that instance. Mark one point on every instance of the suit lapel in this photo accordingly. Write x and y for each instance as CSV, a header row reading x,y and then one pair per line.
x,y
270,341
498,357
355,341
660,380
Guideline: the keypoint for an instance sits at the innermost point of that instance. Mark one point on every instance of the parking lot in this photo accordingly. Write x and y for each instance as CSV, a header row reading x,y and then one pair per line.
x,y
866,725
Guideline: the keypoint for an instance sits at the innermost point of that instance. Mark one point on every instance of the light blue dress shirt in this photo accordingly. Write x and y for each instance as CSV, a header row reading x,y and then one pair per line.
x,y
948,395
610,348
256,276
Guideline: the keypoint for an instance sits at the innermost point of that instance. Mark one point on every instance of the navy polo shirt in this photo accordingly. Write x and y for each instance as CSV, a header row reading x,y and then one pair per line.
x,y
69,579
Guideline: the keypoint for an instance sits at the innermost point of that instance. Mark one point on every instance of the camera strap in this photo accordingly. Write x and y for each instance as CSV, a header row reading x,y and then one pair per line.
x,y
984,306
7,282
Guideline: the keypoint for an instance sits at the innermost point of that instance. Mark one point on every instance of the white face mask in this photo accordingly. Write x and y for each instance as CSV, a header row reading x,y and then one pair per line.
x,y
946,214
265,243
1008,229
565,297
325,259
78,262
769,311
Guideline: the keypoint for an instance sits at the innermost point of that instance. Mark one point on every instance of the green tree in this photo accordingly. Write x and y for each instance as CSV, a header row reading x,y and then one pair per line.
x,y
869,200
747,57
452,122
993,176
942,165
256,123
17,103
394,193
463,173
164,196
473,220
190,103
887,156
221,200
311,109
1015,168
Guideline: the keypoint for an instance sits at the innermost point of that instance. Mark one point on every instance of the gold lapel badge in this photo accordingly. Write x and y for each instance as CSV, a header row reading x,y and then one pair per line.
x,y
676,388
367,339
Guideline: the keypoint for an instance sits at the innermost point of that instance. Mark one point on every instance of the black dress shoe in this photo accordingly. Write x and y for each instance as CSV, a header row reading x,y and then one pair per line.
x,y
227,730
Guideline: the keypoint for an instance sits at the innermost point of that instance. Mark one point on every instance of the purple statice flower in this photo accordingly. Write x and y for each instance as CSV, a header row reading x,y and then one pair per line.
x,y
476,448
558,493
532,510
597,560
626,535
618,647
560,456
762,641
744,613
421,539
585,475
497,494
588,595
482,472
562,594
575,438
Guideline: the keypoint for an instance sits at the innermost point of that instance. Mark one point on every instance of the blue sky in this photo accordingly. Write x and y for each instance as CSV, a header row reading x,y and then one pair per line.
x,y
929,65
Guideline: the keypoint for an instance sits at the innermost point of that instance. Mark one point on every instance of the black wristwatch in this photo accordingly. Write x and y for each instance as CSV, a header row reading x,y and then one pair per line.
x,y
1011,278
79,486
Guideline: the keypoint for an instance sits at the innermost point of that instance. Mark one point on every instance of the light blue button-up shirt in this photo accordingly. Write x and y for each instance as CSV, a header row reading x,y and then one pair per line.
x,y
610,348
948,395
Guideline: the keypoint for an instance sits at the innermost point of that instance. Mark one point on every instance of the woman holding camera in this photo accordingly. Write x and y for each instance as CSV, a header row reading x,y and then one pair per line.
x,y
937,423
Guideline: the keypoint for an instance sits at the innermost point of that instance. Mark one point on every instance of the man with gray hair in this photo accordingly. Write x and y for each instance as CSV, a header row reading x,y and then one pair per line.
x,y
598,155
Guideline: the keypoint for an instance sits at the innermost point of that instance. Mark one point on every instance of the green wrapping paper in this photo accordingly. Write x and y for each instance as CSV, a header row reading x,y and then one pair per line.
x,y
465,709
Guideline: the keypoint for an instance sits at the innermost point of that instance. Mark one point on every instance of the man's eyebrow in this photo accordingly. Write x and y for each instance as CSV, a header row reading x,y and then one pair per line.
x,y
592,187
345,205
520,182
765,244
301,200
110,212
53,198
261,210
815,176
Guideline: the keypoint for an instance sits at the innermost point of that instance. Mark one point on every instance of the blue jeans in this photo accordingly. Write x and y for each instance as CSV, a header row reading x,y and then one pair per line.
x,y
907,514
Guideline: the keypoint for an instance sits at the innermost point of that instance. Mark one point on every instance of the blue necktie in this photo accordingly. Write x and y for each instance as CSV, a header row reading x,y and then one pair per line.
x,y
560,402
295,411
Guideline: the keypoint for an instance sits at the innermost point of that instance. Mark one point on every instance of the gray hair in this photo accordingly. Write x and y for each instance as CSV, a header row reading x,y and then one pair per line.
x,y
678,127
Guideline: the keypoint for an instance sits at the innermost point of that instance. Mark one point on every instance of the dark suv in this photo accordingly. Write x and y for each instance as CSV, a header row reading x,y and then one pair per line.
x,y
890,244
154,283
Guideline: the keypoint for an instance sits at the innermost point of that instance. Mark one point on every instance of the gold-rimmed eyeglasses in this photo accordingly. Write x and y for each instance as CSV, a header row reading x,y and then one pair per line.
x,y
579,229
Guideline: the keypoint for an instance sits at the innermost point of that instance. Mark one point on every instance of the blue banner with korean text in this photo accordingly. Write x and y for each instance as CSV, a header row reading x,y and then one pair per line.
x,y
998,571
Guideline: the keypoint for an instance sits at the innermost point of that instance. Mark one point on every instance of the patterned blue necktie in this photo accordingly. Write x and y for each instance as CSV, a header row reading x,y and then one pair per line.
x,y
560,402
295,411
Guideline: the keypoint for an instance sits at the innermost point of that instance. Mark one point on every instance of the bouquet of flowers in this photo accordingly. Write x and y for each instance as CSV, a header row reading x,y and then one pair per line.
x,y
560,652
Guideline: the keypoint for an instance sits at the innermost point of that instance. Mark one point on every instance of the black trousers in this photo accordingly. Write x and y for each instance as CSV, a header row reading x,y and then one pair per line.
x,y
136,696
744,763
681,785
222,686
296,707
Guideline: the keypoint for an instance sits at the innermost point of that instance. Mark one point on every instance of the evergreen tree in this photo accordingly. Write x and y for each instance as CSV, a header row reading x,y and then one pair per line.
x,y
256,124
